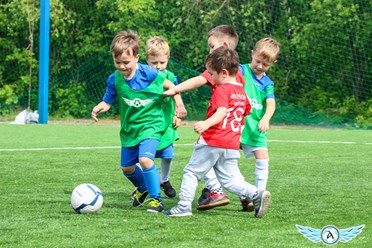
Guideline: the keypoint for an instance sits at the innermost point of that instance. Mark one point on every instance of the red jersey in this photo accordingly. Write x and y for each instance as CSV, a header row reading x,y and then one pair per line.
x,y
226,134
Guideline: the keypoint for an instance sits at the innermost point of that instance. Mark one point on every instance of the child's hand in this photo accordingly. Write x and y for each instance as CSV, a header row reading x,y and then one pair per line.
x,y
200,126
96,110
176,122
181,111
101,107
263,125
170,92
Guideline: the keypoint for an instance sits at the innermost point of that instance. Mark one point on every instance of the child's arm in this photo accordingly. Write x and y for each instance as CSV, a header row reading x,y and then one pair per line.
x,y
264,123
216,118
180,110
100,108
189,84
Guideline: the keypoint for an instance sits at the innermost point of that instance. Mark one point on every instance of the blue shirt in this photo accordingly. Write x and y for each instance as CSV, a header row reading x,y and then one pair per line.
x,y
262,83
142,78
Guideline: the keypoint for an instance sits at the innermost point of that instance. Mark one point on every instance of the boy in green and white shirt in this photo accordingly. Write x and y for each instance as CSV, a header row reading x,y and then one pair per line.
x,y
260,90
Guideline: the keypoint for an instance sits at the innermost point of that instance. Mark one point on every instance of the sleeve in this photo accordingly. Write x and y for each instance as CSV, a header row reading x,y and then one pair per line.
x,y
175,81
270,91
207,76
110,94
146,73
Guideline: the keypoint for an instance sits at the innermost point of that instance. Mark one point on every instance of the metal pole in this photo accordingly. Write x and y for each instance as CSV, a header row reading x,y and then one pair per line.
x,y
44,61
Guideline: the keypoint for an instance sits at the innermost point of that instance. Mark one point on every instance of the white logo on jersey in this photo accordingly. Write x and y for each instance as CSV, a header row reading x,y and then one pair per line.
x,y
136,102
254,104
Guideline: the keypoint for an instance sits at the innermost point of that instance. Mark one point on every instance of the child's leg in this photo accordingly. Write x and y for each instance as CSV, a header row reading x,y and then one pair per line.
x,y
136,178
166,155
230,177
211,181
262,168
166,165
129,157
146,153
201,161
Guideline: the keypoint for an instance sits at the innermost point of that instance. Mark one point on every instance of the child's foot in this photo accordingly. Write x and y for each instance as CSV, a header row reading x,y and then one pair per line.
x,y
179,211
213,200
138,197
247,204
169,191
155,206
262,203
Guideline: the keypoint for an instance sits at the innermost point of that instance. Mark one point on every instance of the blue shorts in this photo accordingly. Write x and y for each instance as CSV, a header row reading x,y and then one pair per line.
x,y
146,148
167,152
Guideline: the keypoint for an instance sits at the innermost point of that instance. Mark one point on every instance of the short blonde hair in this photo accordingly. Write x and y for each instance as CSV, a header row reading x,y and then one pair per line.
x,y
156,45
125,41
225,32
268,48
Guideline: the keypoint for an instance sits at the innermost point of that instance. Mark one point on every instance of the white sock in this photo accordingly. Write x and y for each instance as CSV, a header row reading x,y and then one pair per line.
x,y
261,173
166,165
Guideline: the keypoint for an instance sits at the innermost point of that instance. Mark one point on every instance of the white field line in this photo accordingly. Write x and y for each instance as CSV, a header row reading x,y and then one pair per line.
x,y
117,147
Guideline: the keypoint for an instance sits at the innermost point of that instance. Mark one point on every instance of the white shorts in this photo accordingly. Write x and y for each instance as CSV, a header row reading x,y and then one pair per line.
x,y
248,150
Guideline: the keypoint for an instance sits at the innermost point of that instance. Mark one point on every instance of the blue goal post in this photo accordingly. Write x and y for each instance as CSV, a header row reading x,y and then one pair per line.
x,y
44,61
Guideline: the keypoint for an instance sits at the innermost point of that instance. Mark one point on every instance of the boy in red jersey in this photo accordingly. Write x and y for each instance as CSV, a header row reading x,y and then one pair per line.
x,y
218,144
222,35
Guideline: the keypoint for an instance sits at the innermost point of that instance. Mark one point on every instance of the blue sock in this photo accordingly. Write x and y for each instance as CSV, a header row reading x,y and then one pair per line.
x,y
137,178
152,179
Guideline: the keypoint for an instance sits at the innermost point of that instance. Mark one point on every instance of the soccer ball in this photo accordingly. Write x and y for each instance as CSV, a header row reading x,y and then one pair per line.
x,y
86,198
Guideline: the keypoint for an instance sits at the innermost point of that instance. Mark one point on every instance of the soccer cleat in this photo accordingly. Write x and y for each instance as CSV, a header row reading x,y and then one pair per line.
x,y
179,211
169,191
261,203
204,196
155,206
133,195
139,198
247,205
214,200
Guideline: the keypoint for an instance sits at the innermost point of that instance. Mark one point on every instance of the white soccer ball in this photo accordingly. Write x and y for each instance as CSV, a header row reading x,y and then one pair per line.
x,y
86,198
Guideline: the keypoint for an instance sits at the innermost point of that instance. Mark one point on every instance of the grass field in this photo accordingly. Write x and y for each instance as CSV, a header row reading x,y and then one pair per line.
x,y
318,177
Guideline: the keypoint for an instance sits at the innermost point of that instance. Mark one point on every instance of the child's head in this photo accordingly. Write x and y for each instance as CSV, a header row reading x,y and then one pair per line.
x,y
222,64
157,52
222,35
264,55
125,52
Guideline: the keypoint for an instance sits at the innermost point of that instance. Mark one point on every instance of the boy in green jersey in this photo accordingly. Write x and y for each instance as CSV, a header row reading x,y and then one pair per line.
x,y
157,56
139,90
260,90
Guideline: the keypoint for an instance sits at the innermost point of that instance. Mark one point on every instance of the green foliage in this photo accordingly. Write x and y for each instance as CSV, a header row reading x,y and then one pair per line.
x,y
323,65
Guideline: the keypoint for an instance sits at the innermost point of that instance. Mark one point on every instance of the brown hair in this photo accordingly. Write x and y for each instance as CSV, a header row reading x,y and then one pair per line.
x,y
223,58
225,32
268,48
124,41
156,45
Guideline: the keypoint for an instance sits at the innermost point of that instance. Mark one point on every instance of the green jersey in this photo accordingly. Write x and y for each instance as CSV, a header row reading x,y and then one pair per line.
x,y
141,111
251,135
171,133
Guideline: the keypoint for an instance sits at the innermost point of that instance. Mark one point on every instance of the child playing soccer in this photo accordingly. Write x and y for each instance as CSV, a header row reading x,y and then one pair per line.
x,y
260,90
218,144
157,56
222,35
139,90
